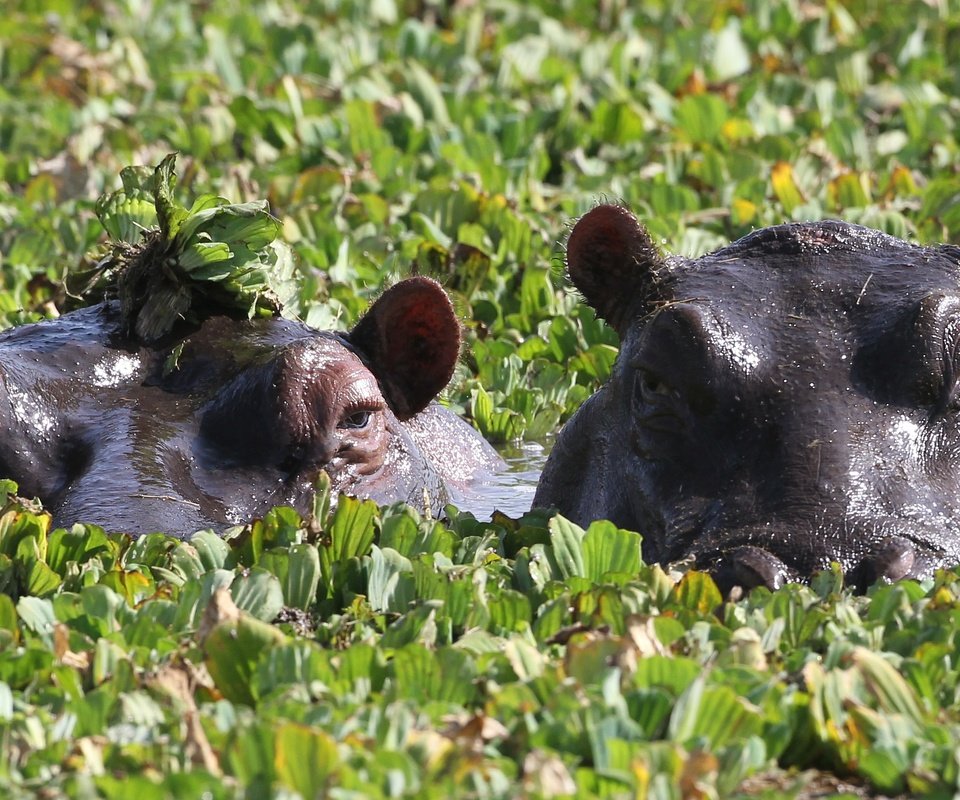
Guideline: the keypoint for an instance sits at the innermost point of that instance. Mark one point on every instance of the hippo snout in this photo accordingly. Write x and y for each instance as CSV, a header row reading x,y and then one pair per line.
x,y
775,554
748,567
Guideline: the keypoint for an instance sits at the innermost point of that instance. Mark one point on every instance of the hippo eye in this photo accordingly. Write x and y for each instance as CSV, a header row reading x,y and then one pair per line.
x,y
658,396
653,385
649,385
356,420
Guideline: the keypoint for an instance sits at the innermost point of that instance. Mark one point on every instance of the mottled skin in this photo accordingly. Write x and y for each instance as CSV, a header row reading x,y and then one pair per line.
x,y
105,430
785,402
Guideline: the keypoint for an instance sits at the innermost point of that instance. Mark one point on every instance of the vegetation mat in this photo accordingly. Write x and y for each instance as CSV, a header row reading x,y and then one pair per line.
x,y
367,652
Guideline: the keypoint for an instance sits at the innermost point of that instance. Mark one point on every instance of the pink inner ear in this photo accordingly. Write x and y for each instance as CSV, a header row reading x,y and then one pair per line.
x,y
612,261
604,233
411,340
425,339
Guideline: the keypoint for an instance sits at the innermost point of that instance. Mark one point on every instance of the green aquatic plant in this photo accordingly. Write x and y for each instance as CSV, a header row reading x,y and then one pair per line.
x,y
166,262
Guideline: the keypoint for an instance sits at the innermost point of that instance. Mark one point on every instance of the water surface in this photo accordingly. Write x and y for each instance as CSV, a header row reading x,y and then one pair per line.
x,y
512,490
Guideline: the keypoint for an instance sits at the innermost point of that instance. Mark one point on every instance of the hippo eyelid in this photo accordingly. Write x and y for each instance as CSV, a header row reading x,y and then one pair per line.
x,y
358,415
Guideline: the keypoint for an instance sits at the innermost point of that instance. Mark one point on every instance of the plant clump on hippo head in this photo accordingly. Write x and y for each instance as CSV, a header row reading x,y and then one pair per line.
x,y
783,403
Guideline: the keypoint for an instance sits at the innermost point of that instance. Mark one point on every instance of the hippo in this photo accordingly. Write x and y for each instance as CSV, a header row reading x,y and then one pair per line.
x,y
220,422
784,403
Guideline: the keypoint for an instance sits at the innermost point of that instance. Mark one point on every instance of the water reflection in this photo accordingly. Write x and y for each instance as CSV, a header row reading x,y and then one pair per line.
x,y
510,491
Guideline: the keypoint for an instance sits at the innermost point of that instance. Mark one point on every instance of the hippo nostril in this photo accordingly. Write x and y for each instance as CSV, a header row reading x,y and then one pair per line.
x,y
893,560
748,567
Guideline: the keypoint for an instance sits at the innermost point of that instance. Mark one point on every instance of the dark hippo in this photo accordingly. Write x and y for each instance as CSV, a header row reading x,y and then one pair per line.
x,y
788,401
216,426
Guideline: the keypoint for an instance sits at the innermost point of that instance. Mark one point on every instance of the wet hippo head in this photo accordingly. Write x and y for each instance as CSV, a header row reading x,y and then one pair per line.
x,y
226,420
788,401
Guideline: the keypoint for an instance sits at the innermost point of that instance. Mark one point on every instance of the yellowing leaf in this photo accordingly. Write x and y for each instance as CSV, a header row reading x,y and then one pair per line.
x,y
785,186
736,129
893,693
306,759
901,183
742,211
850,190
698,592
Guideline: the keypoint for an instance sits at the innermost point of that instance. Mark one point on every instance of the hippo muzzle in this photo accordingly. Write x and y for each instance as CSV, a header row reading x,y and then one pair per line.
x,y
777,553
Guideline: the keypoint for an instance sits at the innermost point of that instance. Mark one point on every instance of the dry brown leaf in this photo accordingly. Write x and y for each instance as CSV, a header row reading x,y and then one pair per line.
x,y
220,609
61,648
545,775
179,681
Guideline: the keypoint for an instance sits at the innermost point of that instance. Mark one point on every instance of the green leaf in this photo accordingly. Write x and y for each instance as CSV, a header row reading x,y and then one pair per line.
x,y
37,615
233,649
77,545
526,660
730,55
258,592
418,624
597,361
353,528
205,260
128,213
715,714
211,550
894,695
390,585
566,538
563,340
170,215
700,117
298,570
425,89
409,536
607,548
509,610
9,632
40,579
446,674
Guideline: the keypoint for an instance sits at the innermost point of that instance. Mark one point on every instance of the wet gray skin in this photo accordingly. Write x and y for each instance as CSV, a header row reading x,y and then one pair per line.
x,y
104,430
783,403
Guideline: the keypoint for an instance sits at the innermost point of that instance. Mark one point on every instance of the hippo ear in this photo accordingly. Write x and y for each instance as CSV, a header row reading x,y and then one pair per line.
x,y
410,339
612,260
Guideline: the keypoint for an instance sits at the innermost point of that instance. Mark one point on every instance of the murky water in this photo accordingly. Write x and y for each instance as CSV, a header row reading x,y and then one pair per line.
x,y
510,491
